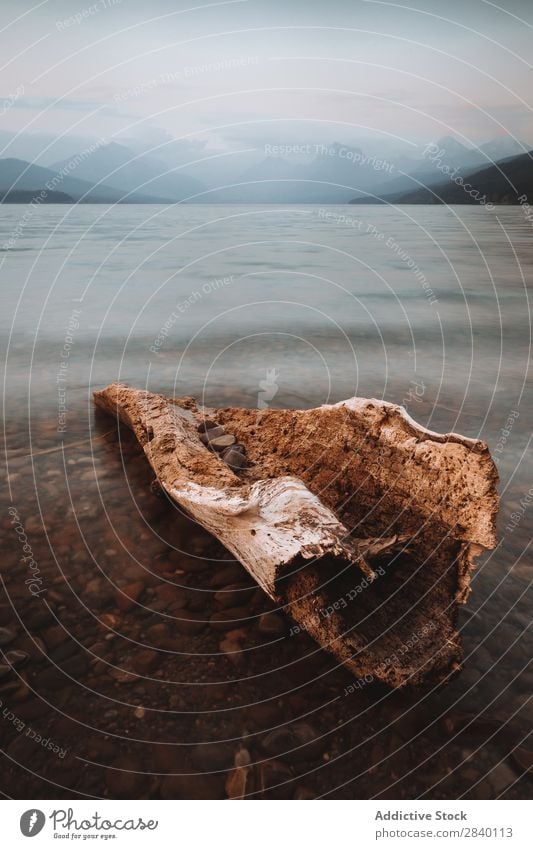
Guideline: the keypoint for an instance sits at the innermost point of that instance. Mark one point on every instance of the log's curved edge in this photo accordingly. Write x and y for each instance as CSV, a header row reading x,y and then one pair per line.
x,y
361,405
269,526
464,493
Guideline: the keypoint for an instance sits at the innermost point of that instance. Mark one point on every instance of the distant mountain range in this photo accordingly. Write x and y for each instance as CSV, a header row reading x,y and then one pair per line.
x,y
320,174
28,196
17,175
336,173
116,166
509,181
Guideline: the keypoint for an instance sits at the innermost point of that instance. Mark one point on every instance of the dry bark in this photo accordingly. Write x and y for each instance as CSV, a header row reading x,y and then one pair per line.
x,y
361,523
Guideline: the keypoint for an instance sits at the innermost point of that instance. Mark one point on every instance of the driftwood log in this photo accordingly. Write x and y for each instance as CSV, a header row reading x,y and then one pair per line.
x,y
359,522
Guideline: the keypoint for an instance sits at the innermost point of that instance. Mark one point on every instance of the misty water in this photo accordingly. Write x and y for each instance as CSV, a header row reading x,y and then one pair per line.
x,y
426,306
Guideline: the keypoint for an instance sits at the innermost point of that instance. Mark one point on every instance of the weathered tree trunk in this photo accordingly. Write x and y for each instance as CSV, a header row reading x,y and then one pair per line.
x,y
359,522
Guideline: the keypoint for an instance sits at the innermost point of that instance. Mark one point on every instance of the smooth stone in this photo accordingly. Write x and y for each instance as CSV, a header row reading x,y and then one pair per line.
x,y
500,777
6,614
6,636
199,602
158,606
279,741
22,692
271,625
16,658
236,634
222,442
75,666
171,594
4,670
158,635
188,623
168,758
94,587
39,644
234,459
307,740
263,714
207,424
13,691
64,651
224,576
523,758
233,596
122,676
226,620
212,757
297,741
146,660
232,650
209,435
199,544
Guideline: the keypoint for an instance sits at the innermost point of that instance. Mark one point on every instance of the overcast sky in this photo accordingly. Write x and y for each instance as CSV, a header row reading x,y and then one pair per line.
x,y
234,75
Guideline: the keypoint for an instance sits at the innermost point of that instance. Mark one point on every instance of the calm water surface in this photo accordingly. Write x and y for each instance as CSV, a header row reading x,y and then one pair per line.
x,y
425,306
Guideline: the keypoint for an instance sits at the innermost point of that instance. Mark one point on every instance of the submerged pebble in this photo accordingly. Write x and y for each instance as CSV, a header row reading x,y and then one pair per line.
x,y
6,636
212,757
271,625
16,658
4,670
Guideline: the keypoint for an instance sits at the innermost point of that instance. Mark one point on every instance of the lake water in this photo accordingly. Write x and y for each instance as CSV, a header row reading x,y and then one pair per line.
x,y
424,306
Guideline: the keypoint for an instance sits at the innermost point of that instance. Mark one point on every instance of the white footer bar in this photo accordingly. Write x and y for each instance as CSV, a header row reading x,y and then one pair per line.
x,y
262,824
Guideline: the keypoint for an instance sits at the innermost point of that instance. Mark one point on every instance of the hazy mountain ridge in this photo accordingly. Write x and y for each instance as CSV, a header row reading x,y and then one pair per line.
x,y
509,181
120,168
27,196
18,175
336,173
